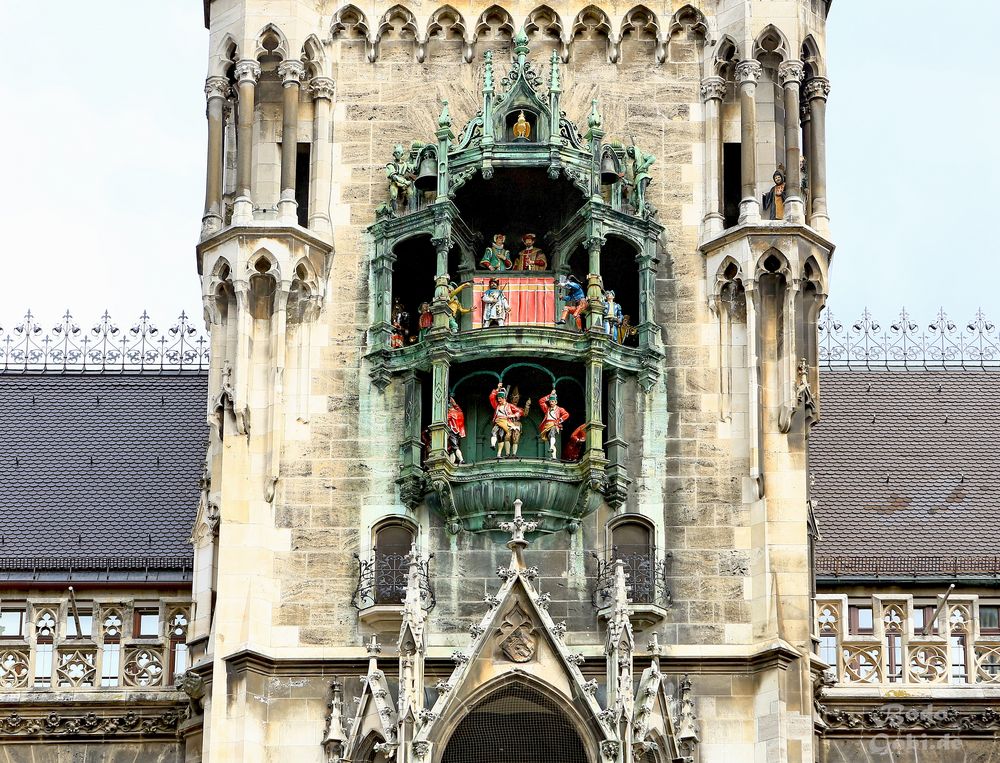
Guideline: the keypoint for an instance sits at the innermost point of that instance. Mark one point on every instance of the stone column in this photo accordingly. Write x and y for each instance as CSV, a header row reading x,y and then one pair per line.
x,y
804,183
594,319
713,90
216,89
291,73
816,91
322,155
747,74
247,73
790,74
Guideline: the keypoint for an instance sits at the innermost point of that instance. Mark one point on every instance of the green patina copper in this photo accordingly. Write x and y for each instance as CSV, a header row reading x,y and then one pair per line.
x,y
517,128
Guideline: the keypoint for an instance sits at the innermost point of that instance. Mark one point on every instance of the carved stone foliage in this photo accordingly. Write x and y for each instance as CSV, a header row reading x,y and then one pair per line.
x,y
13,669
143,667
900,717
516,636
56,724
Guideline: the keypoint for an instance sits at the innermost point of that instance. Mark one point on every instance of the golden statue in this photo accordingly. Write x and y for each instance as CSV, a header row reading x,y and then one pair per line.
x,y
522,128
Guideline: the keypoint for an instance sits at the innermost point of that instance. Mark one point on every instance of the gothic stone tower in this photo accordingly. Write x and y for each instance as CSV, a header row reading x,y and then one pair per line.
x,y
409,548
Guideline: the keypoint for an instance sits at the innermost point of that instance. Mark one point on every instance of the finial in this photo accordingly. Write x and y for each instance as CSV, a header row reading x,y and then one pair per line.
x,y
554,72
444,120
517,529
373,647
488,73
521,42
594,120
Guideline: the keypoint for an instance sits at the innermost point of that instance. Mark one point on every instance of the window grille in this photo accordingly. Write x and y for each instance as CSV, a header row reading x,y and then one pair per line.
x,y
515,724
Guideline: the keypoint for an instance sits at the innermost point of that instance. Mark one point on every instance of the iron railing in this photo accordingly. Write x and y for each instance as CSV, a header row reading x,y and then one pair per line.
x,y
904,343
646,577
103,348
382,579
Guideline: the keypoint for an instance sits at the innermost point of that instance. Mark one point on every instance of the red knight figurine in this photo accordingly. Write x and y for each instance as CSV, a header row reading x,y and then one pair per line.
x,y
552,420
456,431
506,421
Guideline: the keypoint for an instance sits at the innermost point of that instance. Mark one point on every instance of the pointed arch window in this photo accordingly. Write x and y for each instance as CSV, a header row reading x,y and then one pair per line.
x,y
393,542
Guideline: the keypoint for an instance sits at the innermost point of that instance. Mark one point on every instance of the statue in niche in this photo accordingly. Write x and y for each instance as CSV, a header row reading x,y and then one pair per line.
x,y
553,416
425,321
637,175
531,257
612,316
522,128
506,420
400,321
401,176
456,431
455,309
573,449
496,257
496,306
575,300
774,200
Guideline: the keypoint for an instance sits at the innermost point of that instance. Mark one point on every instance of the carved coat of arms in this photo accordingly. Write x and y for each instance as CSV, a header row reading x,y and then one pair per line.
x,y
517,636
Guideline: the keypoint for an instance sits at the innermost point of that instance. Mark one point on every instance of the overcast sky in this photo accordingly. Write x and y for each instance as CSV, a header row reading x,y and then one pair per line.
x,y
105,138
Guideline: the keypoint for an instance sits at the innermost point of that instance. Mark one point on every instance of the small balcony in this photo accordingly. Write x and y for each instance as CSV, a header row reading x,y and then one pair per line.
x,y
645,570
381,588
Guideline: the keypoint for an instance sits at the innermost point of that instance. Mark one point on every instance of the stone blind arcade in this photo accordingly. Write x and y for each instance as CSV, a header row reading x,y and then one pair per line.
x,y
513,279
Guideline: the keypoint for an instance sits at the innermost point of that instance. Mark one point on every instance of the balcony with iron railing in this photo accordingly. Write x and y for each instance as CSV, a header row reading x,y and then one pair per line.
x,y
381,586
646,578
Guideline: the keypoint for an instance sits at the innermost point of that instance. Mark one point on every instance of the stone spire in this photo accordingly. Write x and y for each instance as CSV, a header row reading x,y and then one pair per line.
x,y
618,651
517,543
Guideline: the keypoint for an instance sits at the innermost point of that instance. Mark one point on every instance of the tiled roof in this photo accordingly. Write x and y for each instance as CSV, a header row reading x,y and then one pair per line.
x,y
100,466
906,471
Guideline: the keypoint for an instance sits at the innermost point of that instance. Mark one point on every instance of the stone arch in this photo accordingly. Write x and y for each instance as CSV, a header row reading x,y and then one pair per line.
x,y
641,26
520,713
399,20
366,750
773,261
689,21
271,42
225,56
727,53
814,272
591,24
544,23
313,56
350,22
495,23
446,23
812,58
771,44
263,262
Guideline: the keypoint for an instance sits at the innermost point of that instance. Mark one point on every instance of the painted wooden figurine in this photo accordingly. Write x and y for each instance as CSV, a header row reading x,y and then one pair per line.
x,y
774,200
612,317
496,306
455,309
576,302
553,416
531,257
496,257
573,449
456,431
401,177
400,321
506,421
522,128
426,319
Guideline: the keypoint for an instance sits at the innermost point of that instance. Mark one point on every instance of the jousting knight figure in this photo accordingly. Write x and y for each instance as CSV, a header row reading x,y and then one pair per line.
x,y
612,316
553,416
576,302
456,431
506,421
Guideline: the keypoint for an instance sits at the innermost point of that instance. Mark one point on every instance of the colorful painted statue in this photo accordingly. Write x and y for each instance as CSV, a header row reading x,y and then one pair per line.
x,y
626,330
496,257
573,449
455,305
456,431
506,422
522,128
576,302
612,316
496,306
774,200
531,257
401,177
426,319
553,416
400,321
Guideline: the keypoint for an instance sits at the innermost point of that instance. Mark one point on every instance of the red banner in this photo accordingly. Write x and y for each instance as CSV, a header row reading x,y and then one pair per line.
x,y
532,300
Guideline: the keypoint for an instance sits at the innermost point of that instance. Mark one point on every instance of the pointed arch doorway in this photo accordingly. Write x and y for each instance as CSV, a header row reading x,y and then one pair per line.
x,y
515,724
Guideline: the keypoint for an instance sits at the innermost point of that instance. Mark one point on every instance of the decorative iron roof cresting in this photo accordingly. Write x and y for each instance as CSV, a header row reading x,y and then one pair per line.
x,y
104,348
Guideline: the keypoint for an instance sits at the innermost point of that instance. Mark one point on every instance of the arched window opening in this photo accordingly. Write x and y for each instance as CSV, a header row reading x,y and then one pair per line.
x,y
367,754
412,288
632,543
515,724
620,273
393,542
